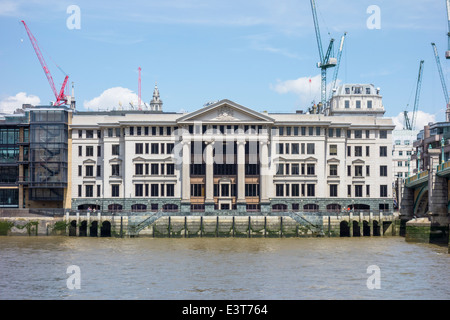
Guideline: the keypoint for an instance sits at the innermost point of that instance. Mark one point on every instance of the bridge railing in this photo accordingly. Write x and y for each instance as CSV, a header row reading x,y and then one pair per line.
x,y
416,177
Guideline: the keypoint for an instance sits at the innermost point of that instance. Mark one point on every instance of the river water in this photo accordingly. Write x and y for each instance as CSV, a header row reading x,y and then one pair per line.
x,y
221,268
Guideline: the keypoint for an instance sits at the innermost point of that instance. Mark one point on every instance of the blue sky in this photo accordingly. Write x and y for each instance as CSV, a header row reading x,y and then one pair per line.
x,y
248,51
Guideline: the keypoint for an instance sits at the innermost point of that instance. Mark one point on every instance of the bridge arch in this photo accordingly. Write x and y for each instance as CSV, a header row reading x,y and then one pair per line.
x,y
105,229
344,229
421,202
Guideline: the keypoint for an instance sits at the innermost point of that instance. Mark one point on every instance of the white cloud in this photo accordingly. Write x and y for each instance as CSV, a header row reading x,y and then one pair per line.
x,y
11,103
112,98
307,88
422,119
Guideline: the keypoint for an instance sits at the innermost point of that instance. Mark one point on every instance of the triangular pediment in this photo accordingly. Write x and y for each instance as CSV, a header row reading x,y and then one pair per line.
x,y
225,111
358,161
89,161
333,160
115,160
138,159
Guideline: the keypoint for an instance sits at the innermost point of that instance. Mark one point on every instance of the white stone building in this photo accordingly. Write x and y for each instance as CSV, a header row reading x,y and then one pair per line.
x,y
229,157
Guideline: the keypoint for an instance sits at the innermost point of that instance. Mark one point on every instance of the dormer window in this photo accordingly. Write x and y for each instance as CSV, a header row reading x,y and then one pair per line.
x,y
367,90
357,90
347,90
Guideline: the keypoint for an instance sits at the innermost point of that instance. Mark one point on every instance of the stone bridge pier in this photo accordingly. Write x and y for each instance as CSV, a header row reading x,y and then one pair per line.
x,y
425,201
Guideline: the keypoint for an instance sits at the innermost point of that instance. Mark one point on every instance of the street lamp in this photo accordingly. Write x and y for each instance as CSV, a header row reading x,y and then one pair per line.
x,y
442,149
409,159
418,159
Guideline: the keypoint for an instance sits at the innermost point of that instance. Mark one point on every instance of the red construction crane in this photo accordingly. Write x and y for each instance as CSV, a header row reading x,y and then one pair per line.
x,y
139,90
60,97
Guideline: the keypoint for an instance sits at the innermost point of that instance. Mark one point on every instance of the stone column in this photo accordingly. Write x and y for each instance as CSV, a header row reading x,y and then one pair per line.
x,y
264,175
186,176
209,177
437,191
241,204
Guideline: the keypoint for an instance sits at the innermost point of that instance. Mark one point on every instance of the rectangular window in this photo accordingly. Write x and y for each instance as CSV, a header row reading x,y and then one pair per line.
x,y
155,148
311,190
367,151
139,148
358,171
115,149
358,104
169,148
333,170
99,170
383,151
358,151
295,131
80,134
349,151
295,169
295,148
80,151
89,171
358,134
317,131
99,151
310,148
146,131
154,168
367,171
170,189
139,190
358,191
89,134
310,131
310,169
138,131
170,169
99,190
80,171
89,151
349,190
349,171
383,171
115,190
369,104
117,132
139,169
367,190
131,131
197,190
115,170
383,191
154,190
338,132
330,132
89,191
279,189
333,150
333,190
383,134
347,104
280,148
80,190
303,130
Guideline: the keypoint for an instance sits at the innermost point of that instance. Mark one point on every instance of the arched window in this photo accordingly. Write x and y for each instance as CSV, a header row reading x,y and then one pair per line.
x,y
311,207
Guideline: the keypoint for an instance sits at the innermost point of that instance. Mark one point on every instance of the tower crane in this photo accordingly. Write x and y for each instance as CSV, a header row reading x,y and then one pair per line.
x,y
61,98
441,74
447,53
336,70
409,125
326,61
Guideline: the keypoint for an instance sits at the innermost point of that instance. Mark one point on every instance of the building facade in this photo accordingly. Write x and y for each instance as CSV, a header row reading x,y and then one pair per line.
x,y
227,157
34,163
